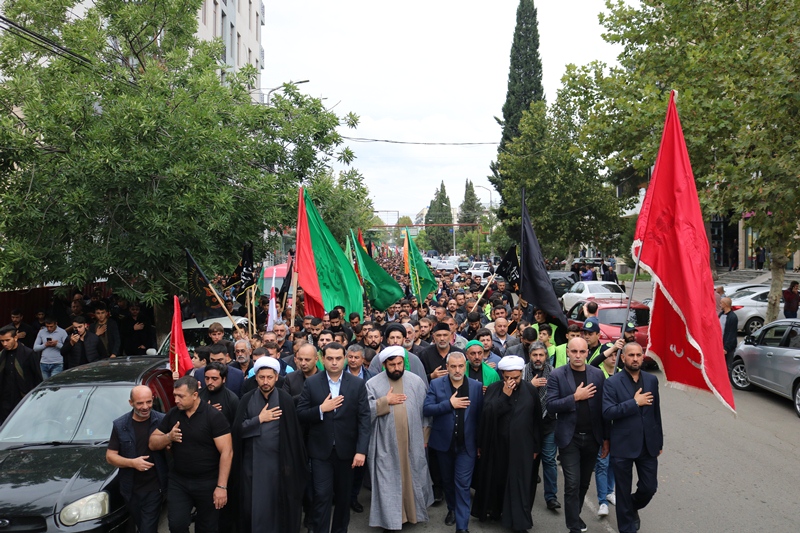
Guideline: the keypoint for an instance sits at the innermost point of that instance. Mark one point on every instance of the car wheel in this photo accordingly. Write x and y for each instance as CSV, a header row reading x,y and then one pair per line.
x,y
739,377
797,398
753,324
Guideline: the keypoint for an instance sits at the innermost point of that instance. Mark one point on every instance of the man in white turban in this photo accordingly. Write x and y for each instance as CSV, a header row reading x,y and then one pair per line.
x,y
509,439
401,486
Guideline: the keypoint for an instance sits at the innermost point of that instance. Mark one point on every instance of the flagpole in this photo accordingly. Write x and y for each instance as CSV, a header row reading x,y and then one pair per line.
x,y
628,309
222,304
488,282
294,296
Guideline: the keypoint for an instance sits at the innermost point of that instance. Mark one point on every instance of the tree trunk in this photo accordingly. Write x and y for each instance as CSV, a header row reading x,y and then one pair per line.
x,y
570,257
714,273
778,267
162,314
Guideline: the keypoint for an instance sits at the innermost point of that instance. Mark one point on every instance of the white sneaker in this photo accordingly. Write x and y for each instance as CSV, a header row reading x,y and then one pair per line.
x,y
603,510
611,498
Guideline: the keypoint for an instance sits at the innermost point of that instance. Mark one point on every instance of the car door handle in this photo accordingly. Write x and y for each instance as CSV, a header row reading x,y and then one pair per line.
x,y
769,354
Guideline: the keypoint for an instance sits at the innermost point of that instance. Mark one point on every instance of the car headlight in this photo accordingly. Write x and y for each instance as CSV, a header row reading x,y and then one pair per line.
x,y
88,508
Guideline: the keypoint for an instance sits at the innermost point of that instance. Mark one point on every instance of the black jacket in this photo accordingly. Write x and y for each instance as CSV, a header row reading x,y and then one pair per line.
x,y
348,426
89,350
729,339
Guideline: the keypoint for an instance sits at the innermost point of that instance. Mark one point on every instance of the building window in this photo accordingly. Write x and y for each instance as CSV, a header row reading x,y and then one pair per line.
x,y
234,51
250,16
258,29
216,7
205,13
238,48
249,57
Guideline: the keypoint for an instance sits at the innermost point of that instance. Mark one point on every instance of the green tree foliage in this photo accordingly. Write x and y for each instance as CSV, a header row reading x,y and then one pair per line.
x,y
524,88
567,200
343,202
470,210
398,234
439,212
735,66
110,167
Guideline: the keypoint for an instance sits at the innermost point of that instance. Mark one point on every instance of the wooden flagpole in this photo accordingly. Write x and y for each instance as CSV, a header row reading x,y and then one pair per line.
x,y
294,296
222,304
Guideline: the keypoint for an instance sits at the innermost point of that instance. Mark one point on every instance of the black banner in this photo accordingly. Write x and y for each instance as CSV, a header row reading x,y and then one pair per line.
x,y
508,269
202,302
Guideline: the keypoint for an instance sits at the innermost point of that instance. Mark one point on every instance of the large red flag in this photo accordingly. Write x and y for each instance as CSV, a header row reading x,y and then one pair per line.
x,y
685,333
178,353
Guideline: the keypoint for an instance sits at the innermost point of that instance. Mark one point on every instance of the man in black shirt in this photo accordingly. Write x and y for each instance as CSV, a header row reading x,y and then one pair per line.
x,y
142,472
216,393
202,451
574,394
434,356
19,370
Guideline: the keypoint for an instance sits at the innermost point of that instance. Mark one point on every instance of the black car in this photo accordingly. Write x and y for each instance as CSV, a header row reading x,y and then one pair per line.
x,y
53,470
562,280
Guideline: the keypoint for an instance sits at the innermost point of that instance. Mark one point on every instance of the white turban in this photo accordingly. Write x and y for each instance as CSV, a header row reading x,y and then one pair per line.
x,y
511,362
391,351
267,362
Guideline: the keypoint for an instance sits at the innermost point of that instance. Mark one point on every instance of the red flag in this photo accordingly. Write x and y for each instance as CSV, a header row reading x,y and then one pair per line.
x,y
685,333
361,239
178,354
305,265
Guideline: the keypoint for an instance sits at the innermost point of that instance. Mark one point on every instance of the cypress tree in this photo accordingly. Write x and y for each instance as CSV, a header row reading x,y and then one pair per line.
x,y
440,212
524,88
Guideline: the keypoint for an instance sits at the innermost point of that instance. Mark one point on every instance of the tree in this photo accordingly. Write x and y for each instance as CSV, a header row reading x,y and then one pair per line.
x,y
524,88
374,234
398,234
113,164
439,212
568,201
470,210
735,65
343,202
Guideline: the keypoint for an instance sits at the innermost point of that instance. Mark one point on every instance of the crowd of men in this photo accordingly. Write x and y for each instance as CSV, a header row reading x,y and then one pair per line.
x,y
470,397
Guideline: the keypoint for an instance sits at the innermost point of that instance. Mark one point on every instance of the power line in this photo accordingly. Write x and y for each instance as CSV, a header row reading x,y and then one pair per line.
x,y
368,140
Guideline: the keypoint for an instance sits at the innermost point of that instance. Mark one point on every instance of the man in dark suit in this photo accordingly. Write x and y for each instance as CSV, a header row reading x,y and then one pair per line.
x,y
730,325
19,370
455,402
334,405
83,346
632,406
235,379
575,396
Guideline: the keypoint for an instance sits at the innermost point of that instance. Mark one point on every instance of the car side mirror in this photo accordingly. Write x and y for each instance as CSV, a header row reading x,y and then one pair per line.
x,y
750,340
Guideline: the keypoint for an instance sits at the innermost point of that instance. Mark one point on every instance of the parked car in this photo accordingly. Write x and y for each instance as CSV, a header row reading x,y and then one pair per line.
x,y
611,315
196,333
732,288
53,445
769,358
483,274
562,280
479,265
750,306
583,290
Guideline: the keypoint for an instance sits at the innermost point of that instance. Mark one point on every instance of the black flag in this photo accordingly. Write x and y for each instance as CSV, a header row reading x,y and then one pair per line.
x,y
535,285
508,269
287,281
244,270
202,302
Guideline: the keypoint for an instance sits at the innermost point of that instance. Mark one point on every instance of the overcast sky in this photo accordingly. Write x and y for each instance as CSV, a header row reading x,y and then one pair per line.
x,y
421,71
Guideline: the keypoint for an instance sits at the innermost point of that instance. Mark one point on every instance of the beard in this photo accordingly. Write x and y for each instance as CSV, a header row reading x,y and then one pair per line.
x,y
374,345
394,376
632,367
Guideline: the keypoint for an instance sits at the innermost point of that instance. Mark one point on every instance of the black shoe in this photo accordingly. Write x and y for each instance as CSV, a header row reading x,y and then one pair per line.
x,y
356,507
462,530
637,521
583,526
553,505
450,519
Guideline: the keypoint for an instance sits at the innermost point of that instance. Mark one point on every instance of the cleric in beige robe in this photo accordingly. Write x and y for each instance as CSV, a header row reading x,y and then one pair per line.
x,y
401,485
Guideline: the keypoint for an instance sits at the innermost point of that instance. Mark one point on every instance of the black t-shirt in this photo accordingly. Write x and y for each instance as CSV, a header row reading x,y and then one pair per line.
x,y
146,481
197,455
458,429
584,421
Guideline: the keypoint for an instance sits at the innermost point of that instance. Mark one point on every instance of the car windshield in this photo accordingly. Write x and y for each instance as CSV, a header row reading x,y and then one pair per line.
x,y
744,293
607,288
66,415
616,316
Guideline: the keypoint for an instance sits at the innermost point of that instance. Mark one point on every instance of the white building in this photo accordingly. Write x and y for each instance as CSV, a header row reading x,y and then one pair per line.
x,y
238,23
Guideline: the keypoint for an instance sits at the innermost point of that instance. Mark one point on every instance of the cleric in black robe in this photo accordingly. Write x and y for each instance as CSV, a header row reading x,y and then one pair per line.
x,y
505,481
270,464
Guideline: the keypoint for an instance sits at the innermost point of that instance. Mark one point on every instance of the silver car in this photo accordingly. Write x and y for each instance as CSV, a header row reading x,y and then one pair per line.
x,y
750,306
770,359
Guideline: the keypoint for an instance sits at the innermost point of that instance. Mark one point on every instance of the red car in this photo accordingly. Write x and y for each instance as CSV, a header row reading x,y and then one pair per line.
x,y
611,315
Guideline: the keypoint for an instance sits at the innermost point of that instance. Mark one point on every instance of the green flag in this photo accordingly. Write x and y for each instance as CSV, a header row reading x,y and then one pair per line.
x,y
381,288
419,275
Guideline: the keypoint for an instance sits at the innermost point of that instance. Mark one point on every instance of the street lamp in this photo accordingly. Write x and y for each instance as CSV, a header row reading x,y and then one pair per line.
x,y
269,93
491,223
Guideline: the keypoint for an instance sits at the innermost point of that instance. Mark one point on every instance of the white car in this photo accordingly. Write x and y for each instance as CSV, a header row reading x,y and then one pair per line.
x,y
479,265
750,306
195,333
584,290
